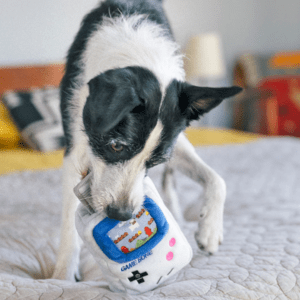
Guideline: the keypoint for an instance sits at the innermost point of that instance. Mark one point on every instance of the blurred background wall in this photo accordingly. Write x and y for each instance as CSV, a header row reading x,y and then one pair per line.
x,y
258,26
39,32
35,31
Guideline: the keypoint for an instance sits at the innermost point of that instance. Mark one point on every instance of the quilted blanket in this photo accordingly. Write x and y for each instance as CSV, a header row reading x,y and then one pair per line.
x,y
259,258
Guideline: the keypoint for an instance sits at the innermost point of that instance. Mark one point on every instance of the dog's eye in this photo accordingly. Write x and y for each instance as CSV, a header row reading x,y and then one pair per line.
x,y
117,147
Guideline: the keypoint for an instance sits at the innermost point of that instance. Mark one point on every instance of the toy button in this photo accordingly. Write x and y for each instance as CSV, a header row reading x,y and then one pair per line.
x,y
172,242
138,277
169,256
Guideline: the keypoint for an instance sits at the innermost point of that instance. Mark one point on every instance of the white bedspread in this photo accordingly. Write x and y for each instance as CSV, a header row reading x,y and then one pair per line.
x,y
259,258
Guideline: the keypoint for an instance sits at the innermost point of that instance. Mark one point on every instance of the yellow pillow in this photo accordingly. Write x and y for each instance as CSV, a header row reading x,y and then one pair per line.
x,y
9,134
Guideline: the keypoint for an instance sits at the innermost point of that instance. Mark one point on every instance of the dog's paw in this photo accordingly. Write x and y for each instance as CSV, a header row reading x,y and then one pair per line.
x,y
209,234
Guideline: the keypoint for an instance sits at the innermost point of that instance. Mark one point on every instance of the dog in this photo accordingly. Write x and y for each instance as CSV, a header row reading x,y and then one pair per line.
x,y
124,106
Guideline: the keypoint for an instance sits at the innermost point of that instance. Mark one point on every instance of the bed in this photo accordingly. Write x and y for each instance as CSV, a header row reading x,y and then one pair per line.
x,y
259,258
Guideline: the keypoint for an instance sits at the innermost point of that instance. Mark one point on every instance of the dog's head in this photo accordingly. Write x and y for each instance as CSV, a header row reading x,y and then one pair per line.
x,y
132,125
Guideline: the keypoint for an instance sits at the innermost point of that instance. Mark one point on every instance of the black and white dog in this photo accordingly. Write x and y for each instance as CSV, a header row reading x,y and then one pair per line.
x,y
124,104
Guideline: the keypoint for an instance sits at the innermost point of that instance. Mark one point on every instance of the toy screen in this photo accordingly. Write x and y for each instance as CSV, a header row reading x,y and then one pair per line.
x,y
132,234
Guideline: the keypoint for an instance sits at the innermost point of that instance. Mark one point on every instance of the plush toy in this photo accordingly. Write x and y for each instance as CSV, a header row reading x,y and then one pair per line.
x,y
137,255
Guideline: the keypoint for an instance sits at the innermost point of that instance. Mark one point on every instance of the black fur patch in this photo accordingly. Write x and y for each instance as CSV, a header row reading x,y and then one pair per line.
x,y
122,108
194,101
182,104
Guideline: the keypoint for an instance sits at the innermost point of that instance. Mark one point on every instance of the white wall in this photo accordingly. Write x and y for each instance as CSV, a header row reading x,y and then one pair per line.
x,y
41,31
259,26
255,26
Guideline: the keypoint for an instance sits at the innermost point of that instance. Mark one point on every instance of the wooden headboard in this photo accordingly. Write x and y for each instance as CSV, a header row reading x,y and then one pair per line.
x,y
27,77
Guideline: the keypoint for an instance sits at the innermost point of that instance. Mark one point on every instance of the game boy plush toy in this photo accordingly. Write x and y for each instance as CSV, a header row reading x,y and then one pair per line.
x,y
137,255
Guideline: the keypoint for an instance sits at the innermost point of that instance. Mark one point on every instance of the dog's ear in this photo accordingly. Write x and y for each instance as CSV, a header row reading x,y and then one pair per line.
x,y
195,101
111,98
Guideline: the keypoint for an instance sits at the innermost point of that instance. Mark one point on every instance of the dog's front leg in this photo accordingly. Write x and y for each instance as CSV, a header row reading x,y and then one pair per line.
x,y
67,263
170,195
210,227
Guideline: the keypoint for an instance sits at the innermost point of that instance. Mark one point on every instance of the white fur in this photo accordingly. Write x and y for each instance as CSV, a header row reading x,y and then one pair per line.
x,y
125,180
119,43
68,255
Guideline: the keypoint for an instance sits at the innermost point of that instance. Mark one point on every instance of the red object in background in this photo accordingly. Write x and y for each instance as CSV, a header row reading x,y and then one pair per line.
x,y
281,111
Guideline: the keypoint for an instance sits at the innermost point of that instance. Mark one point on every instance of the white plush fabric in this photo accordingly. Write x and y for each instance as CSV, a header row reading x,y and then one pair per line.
x,y
259,258
154,263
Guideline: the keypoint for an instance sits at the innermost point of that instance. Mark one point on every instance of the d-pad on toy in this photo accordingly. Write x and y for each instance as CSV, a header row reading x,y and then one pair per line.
x,y
137,276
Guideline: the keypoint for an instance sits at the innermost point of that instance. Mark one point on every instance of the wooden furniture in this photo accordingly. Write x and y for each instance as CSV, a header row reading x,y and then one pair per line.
x,y
27,77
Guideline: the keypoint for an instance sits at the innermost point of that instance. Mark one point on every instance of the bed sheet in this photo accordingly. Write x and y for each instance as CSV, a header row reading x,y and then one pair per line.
x,y
259,258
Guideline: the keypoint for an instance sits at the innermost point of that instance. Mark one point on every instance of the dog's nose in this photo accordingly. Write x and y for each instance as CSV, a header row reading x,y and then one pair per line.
x,y
118,213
